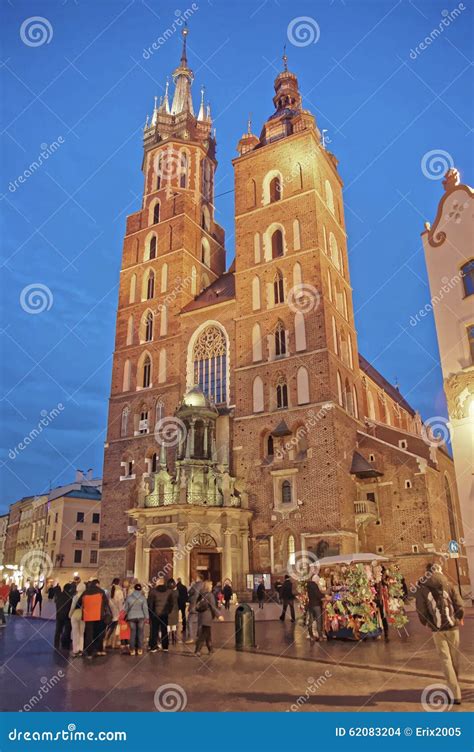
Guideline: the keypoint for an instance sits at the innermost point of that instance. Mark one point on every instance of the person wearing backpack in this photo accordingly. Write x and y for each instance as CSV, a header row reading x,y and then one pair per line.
x,y
440,608
160,604
96,615
207,611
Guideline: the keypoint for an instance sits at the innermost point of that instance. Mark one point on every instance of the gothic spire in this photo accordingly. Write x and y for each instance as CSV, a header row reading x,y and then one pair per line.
x,y
183,78
165,103
154,117
202,112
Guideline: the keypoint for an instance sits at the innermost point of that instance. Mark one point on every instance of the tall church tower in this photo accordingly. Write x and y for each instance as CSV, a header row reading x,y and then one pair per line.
x,y
296,345
173,249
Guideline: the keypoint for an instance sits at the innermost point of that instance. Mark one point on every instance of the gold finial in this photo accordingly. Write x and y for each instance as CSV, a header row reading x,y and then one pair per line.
x,y
285,59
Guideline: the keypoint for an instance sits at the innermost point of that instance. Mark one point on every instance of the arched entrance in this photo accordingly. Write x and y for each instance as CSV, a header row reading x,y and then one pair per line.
x,y
161,558
205,557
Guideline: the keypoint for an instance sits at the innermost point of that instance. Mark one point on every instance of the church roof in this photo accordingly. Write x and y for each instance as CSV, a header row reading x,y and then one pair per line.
x,y
219,291
382,382
281,429
362,468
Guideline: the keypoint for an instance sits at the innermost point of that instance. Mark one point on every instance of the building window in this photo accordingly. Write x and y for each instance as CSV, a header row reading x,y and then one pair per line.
x,y
154,462
94,536
79,517
280,340
467,273
278,288
291,550
329,196
408,484
77,557
282,394
150,287
470,337
152,247
93,557
54,535
159,171
403,444
149,327
96,518
286,492
277,244
270,447
183,178
156,217
79,535
143,423
210,363
129,468
275,189
146,371
56,517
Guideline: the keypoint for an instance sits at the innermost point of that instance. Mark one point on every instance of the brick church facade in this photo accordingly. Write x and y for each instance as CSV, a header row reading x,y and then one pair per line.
x,y
245,430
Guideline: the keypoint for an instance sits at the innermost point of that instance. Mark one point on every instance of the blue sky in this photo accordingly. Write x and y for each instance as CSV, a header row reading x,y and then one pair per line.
x,y
88,87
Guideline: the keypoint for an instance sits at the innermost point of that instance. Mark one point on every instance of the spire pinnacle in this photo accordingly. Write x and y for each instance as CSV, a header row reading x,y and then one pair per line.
x,y
183,78
184,33
249,124
154,117
202,112
285,59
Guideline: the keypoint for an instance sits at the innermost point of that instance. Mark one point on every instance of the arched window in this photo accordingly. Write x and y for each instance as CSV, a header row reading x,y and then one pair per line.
x,y
256,294
467,273
286,498
280,340
355,402
162,366
302,386
127,374
149,327
340,397
159,172
334,336
296,235
291,547
334,251
205,252
300,332
256,343
152,247
124,422
159,410
130,330
297,275
257,394
370,406
206,180
299,176
133,288
164,277
278,288
325,240
330,285
349,351
450,508
156,213
329,196
193,281
282,393
146,371
149,285
275,189
154,463
205,219
270,447
209,359
163,320
256,247
277,244
348,397
251,193
183,176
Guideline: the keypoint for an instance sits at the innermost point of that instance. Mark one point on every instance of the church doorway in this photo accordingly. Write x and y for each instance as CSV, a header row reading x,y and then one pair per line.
x,y
205,559
161,558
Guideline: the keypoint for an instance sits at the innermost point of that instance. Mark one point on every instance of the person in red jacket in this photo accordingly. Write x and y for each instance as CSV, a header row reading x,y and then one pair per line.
x,y
94,608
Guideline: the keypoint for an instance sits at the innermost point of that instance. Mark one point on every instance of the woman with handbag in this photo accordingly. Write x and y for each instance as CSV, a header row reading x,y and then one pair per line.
x,y
207,611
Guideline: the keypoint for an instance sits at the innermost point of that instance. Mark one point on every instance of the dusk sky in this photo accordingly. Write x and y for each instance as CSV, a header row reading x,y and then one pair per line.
x,y
389,108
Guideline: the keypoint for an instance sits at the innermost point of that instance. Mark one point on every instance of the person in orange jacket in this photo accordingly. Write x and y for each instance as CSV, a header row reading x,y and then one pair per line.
x,y
95,615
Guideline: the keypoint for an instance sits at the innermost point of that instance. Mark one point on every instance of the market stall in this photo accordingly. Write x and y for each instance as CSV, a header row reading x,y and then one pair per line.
x,y
364,596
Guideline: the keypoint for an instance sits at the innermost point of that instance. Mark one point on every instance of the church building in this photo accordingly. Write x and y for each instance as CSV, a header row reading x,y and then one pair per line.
x,y
246,433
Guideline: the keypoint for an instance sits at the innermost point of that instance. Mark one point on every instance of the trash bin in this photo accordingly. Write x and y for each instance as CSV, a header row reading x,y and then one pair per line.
x,y
244,627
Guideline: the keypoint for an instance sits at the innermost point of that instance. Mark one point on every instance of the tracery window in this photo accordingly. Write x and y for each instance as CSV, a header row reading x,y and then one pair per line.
x,y
282,393
291,550
210,363
280,340
286,492
278,288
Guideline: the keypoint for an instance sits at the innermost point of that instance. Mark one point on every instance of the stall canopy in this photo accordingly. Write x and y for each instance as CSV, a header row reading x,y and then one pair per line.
x,y
350,559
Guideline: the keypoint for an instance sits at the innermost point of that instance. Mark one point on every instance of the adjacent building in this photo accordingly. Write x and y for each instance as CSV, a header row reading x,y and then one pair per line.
x,y
449,253
245,430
